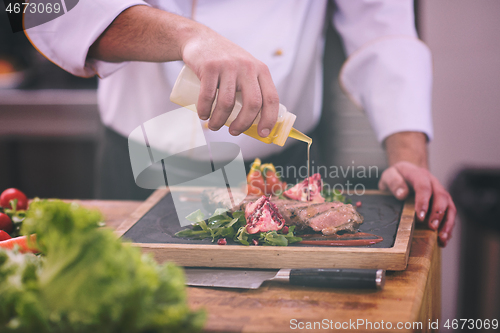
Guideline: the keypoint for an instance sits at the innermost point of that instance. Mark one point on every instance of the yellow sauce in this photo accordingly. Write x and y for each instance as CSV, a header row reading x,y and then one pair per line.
x,y
252,131
302,137
299,136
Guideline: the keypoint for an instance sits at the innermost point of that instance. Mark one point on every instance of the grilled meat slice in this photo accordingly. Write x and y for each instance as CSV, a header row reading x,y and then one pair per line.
x,y
300,214
328,217
329,222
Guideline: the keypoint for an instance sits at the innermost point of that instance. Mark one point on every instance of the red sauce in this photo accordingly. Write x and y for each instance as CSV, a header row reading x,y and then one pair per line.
x,y
357,239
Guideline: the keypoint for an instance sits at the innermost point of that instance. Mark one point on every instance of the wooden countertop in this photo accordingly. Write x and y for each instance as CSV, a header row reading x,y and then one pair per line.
x,y
409,296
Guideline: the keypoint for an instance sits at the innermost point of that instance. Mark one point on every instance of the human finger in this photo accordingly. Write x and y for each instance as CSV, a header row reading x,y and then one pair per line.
x,y
393,181
419,180
444,234
270,103
440,202
225,100
208,89
251,97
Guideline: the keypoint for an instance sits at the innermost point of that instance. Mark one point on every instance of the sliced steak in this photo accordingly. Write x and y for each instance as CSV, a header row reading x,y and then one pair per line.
x,y
330,222
299,213
328,217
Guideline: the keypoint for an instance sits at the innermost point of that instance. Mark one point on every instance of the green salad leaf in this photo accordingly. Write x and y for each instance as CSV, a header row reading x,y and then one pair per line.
x,y
273,238
232,225
222,224
87,280
242,236
196,216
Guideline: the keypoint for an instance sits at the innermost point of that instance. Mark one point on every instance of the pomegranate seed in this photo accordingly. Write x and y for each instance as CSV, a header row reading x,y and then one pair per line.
x,y
284,230
221,241
255,242
358,204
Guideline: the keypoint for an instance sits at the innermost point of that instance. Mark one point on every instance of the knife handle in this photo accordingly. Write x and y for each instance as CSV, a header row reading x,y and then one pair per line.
x,y
338,278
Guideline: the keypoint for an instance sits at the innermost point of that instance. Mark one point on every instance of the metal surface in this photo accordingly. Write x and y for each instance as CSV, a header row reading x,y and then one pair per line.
x,y
380,279
283,275
253,279
232,278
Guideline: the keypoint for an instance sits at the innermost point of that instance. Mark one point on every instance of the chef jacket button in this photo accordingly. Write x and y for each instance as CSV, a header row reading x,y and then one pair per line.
x,y
278,52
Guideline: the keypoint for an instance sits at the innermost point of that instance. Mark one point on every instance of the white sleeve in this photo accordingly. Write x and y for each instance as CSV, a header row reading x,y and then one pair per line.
x,y
66,39
388,71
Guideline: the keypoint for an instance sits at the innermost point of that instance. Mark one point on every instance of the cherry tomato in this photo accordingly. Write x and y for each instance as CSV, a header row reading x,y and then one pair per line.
x,y
4,235
11,194
5,223
222,241
274,185
285,230
255,183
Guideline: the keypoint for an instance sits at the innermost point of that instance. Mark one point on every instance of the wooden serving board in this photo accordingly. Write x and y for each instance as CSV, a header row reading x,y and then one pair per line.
x,y
153,225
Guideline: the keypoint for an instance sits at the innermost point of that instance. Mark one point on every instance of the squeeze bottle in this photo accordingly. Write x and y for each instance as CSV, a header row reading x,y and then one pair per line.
x,y
187,89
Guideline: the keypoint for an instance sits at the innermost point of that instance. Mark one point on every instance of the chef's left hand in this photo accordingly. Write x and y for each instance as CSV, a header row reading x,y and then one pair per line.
x,y
408,172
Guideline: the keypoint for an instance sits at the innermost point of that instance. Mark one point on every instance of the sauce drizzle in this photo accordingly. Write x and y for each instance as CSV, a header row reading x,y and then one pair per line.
x,y
304,138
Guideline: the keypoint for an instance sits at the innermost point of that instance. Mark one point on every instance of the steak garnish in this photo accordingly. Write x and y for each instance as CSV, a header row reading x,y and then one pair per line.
x,y
263,215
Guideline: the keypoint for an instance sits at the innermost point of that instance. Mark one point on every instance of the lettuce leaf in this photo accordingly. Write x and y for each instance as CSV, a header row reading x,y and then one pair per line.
x,y
232,225
88,280
221,224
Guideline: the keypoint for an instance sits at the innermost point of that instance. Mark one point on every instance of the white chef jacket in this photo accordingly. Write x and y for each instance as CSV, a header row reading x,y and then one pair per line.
x,y
387,73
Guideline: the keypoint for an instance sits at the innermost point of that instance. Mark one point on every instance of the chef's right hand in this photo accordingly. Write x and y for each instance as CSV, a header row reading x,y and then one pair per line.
x,y
143,33
219,63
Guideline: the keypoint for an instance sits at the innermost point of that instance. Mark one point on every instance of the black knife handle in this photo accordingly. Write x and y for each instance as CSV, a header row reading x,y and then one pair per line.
x,y
338,278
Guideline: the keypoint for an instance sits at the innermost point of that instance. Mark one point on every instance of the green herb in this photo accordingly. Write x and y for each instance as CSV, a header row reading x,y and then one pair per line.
x,y
221,224
232,225
87,280
334,195
196,216
273,237
290,236
243,236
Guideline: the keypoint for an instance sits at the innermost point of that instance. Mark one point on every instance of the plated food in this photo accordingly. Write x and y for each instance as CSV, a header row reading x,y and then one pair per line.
x,y
327,217
304,209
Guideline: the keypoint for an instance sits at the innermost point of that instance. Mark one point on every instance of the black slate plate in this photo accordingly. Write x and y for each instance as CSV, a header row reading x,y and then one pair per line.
x,y
381,215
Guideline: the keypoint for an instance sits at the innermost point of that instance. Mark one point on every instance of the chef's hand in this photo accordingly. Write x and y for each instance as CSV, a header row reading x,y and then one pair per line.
x,y
143,33
407,154
219,63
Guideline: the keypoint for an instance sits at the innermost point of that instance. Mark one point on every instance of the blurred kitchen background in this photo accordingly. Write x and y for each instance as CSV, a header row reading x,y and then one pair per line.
x,y
49,125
